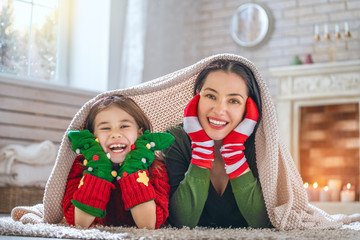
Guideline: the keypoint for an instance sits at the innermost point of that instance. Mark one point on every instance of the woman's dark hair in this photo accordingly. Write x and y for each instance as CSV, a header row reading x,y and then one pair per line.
x,y
240,69
126,104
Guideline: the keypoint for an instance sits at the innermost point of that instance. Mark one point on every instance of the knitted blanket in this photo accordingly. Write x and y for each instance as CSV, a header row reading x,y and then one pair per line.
x,y
163,100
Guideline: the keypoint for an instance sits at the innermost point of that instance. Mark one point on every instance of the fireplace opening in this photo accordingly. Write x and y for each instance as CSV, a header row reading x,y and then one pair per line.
x,y
329,144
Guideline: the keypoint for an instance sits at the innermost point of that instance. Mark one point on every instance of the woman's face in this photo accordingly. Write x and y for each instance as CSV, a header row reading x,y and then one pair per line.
x,y
222,103
117,131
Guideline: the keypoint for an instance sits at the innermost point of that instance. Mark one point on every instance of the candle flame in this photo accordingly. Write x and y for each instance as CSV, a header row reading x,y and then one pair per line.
x,y
326,188
306,185
348,186
315,185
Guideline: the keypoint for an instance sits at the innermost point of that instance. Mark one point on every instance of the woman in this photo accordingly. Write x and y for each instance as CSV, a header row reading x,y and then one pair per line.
x,y
211,182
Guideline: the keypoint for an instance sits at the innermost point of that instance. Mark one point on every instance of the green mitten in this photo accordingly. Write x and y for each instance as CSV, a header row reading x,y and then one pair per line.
x,y
94,190
142,155
97,162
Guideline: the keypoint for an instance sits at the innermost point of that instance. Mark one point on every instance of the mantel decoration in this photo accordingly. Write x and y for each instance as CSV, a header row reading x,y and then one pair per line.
x,y
332,38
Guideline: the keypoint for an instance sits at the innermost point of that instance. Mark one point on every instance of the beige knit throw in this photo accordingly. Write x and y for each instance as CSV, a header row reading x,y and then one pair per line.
x,y
163,100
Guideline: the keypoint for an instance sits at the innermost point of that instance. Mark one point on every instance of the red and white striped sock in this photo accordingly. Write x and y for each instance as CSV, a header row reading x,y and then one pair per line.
x,y
233,147
202,146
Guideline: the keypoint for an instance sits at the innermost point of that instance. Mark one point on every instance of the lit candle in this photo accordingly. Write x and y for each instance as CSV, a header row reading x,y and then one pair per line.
x,y
346,25
325,194
316,30
312,191
334,189
316,191
348,193
326,29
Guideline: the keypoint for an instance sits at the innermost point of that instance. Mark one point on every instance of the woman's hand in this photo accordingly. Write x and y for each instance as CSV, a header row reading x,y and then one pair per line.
x,y
202,146
233,147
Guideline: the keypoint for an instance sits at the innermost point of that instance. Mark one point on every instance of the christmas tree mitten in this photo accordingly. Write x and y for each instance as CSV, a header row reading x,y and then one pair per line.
x,y
133,175
233,147
95,187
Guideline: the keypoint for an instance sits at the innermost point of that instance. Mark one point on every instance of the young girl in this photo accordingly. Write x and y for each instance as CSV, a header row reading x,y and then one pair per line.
x,y
115,180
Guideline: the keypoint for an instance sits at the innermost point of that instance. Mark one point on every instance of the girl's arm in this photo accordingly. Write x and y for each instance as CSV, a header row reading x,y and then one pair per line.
x,y
250,200
189,184
144,215
83,219
147,198
153,214
73,215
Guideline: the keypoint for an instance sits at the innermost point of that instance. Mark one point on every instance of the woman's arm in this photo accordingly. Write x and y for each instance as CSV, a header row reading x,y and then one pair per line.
x,y
250,200
188,201
189,184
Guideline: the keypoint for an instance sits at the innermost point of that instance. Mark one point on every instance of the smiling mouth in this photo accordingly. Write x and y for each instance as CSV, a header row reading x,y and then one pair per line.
x,y
217,123
117,148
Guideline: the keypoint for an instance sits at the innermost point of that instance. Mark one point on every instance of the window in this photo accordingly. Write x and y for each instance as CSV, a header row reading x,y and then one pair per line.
x,y
29,38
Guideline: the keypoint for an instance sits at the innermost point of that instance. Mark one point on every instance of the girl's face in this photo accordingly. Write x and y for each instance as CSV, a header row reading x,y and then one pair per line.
x,y
222,103
117,131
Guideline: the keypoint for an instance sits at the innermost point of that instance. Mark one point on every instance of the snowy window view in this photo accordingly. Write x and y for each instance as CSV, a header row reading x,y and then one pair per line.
x,y
29,38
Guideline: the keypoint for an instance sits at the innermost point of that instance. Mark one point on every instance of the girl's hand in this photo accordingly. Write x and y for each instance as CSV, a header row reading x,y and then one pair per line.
x,y
233,147
143,152
96,160
133,175
202,146
94,189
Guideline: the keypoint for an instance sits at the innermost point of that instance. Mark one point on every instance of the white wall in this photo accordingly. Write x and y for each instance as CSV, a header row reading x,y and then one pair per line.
x,y
182,32
89,26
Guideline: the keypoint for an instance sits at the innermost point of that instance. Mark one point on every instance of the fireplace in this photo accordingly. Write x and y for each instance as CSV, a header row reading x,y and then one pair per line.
x,y
329,143
318,111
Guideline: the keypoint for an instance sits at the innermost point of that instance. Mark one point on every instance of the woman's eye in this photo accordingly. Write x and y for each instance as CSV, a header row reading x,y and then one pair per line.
x,y
210,96
234,101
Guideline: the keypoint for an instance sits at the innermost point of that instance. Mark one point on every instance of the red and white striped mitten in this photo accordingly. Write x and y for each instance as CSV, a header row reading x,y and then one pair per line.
x,y
202,146
233,147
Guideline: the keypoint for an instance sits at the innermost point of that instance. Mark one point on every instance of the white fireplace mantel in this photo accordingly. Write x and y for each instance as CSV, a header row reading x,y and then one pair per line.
x,y
312,85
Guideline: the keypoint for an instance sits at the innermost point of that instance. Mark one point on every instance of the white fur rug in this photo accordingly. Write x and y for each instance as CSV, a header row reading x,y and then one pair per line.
x,y
10,227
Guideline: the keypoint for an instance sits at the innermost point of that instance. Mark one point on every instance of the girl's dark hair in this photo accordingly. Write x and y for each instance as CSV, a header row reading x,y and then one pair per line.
x,y
129,106
126,104
231,66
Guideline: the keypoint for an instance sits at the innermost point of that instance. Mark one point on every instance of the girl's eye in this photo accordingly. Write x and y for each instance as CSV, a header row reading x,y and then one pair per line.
x,y
105,128
124,126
